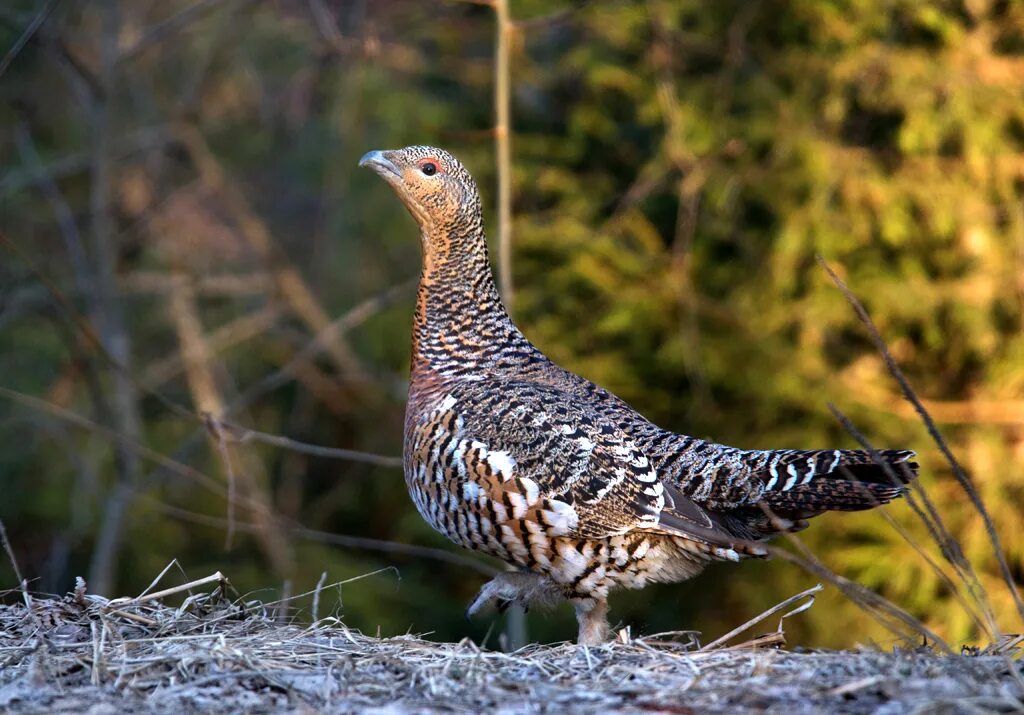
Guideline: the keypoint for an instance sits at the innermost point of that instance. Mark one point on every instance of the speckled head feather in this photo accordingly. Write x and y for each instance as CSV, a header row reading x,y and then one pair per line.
x,y
438,191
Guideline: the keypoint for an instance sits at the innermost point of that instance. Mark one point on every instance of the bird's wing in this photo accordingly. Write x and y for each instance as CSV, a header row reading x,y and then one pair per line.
x,y
520,450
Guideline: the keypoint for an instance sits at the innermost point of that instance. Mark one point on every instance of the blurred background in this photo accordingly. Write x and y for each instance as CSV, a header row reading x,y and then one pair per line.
x,y
181,217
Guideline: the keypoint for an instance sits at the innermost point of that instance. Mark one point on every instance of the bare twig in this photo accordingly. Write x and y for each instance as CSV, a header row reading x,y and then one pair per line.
x,y
22,583
229,470
217,577
77,162
335,330
167,28
25,36
61,210
316,596
160,577
239,330
502,147
244,434
550,19
911,396
325,22
258,283
172,465
10,553
344,540
110,320
806,596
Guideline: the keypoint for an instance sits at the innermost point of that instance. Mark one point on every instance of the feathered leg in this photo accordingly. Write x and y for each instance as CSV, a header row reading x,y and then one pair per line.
x,y
592,616
522,587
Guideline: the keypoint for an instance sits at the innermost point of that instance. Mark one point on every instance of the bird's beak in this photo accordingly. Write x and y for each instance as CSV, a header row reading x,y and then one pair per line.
x,y
379,163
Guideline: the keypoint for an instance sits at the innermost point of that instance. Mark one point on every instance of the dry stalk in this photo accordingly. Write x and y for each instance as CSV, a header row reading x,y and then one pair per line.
x,y
316,596
884,611
243,434
10,556
949,547
122,603
908,392
808,600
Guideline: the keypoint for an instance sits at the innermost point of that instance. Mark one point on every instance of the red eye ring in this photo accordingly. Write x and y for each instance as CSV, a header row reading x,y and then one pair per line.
x,y
430,166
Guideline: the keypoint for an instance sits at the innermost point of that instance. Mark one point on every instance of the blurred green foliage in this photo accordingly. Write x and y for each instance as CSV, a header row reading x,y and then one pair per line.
x,y
677,167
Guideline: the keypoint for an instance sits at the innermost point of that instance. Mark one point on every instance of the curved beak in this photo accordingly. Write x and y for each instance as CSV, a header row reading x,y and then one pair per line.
x,y
379,163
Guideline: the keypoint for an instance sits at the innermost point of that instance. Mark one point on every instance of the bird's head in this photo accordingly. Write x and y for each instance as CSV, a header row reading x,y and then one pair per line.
x,y
438,191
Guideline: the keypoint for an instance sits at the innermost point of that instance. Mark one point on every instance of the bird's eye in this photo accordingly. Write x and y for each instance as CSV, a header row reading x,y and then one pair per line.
x,y
429,168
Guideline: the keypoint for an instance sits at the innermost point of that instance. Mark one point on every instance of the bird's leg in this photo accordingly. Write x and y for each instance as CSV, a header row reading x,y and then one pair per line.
x,y
592,616
522,587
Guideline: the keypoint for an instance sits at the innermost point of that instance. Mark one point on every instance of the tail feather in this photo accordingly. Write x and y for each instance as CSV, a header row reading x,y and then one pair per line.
x,y
800,483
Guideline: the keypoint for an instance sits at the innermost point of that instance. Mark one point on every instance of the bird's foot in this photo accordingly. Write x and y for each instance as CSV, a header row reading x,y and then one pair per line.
x,y
521,587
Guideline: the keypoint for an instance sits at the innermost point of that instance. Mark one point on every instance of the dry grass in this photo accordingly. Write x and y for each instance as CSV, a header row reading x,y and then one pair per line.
x,y
218,652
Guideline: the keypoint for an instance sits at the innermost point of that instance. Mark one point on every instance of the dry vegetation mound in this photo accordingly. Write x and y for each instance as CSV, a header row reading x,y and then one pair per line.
x,y
84,653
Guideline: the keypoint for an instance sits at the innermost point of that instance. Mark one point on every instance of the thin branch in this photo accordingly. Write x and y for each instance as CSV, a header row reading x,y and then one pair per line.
x,y
355,542
217,577
213,285
23,586
62,212
911,396
327,26
10,552
169,27
229,470
90,334
31,30
503,150
244,434
316,596
77,162
217,488
239,330
335,330
550,19
172,465
110,318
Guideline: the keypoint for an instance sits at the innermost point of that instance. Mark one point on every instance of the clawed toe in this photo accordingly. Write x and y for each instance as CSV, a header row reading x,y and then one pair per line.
x,y
510,588
491,592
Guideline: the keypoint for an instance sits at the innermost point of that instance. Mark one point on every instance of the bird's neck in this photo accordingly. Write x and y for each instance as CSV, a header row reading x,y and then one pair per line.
x,y
461,325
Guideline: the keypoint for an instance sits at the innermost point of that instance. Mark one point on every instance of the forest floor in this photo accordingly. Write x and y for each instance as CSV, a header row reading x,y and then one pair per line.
x,y
86,654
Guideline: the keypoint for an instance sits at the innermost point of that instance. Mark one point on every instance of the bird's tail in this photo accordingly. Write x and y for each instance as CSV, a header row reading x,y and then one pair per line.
x,y
799,484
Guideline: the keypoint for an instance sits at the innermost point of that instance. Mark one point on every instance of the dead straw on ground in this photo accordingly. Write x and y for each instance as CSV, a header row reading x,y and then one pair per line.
x,y
221,652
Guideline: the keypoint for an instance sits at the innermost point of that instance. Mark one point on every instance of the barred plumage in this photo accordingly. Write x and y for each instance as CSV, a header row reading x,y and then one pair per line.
x,y
508,454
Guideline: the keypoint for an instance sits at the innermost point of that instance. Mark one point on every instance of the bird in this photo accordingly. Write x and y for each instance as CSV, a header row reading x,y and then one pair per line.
x,y
508,454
